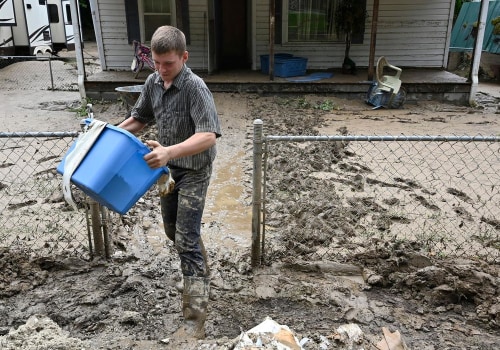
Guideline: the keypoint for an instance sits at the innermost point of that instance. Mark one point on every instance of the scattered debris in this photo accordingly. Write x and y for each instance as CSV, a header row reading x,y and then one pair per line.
x,y
268,335
391,341
40,332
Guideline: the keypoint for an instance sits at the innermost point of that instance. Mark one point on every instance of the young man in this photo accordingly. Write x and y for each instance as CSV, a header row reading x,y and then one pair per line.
x,y
184,111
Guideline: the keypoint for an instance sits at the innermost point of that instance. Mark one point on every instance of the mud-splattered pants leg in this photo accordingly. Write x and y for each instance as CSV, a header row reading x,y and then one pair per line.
x,y
182,211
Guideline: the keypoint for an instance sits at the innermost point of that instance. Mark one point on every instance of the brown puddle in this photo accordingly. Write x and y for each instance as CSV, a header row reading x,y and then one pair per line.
x,y
226,204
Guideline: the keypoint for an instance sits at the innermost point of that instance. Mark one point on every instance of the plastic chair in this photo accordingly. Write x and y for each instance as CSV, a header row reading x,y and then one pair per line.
x,y
389,83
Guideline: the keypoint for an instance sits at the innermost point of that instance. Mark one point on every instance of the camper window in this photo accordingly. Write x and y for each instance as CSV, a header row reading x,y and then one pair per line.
x,y
53,13
68,14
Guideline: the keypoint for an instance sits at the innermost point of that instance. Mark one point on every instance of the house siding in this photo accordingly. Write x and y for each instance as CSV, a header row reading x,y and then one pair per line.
x,y
409,34
118,52
198,58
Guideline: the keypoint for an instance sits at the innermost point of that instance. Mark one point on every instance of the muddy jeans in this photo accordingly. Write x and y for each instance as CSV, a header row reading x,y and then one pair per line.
x,y
182,211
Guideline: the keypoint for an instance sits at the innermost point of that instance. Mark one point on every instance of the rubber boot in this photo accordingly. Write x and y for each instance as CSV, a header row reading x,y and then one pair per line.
x,y
194,308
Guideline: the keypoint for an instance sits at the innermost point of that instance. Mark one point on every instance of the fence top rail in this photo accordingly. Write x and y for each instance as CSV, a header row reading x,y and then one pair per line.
x,y
38,58
371,138
38,134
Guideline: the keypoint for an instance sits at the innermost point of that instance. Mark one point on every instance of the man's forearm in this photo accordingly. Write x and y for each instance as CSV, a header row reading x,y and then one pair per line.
x,y
132,125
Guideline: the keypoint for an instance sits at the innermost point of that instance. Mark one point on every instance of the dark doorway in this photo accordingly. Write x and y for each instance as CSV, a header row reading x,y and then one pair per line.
x,y
232,36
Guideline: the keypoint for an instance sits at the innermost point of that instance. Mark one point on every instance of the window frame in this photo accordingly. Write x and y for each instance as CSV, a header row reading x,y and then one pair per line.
x,y
284,39
53,13
173,18
285,33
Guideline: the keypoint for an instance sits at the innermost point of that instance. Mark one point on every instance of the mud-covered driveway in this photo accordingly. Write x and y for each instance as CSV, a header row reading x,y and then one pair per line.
x,y
131,301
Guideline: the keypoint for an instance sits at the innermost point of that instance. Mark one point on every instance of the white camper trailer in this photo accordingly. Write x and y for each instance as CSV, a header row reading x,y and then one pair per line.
x,y
61,24
7,20
7,15
6,41
32,32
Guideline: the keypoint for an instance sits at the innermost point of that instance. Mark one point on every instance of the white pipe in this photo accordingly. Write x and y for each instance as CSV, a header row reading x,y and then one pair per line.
x,y
478,48
78,48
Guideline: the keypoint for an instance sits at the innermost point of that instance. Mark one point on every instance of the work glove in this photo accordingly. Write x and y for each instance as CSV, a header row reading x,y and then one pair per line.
x,y
166,184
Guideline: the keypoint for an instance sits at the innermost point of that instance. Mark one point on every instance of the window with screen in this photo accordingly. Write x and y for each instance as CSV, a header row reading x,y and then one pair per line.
x,y
315,20
156,13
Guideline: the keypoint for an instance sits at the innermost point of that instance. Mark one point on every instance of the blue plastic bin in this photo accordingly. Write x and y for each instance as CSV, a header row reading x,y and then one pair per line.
x,y
113,172
264,61
285,65
290,67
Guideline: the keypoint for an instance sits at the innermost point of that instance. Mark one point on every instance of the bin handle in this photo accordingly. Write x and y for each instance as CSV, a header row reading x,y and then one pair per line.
x,y
83,144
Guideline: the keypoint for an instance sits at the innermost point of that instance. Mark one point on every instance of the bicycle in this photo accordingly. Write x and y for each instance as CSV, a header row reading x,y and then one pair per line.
x,y
142,58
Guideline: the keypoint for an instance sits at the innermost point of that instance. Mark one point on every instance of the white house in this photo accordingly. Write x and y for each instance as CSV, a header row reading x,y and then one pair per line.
x,y
228,34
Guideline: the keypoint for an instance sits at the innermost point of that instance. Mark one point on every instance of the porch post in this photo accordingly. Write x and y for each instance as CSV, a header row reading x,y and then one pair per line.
x,y
478,48
272,22
78,48
373,40
98,34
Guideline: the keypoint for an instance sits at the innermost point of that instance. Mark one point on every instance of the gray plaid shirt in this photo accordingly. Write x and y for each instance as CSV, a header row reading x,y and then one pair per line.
x,y
187,107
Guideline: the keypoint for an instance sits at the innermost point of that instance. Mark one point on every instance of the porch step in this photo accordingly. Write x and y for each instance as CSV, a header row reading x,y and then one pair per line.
x,y
420,85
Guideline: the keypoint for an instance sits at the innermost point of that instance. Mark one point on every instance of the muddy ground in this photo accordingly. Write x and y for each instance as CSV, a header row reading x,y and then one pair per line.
x,y
131,301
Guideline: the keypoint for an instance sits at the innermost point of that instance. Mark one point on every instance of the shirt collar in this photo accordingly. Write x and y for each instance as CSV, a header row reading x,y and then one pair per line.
x,y
178,80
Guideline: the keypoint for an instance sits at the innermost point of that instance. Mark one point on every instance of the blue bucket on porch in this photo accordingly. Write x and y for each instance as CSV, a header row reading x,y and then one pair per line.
x,y
113,172
264,60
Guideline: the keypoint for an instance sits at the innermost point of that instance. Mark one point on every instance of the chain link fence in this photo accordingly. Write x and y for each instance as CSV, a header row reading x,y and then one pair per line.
x,y
34,217
333,197
43,72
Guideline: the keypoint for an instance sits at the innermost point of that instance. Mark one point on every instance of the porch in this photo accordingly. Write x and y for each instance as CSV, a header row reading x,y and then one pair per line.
x,y
420,84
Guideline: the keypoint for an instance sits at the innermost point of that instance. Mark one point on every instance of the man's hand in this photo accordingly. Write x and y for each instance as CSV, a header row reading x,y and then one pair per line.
x,y
159,155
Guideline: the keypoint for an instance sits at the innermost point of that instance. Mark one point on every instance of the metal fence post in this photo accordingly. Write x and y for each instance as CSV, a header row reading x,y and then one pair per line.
x,y
98,214
257,190
105,231
51,75
95,214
